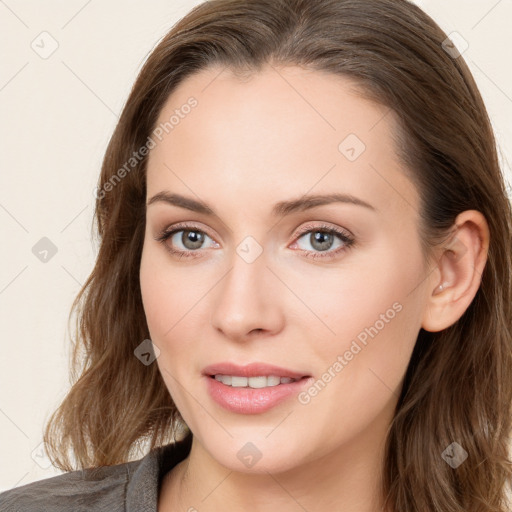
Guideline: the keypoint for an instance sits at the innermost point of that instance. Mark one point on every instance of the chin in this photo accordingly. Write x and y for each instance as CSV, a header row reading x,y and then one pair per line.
x,y
250,453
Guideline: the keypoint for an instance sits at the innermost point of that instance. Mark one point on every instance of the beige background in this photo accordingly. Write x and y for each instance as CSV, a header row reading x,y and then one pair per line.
x,y
57,115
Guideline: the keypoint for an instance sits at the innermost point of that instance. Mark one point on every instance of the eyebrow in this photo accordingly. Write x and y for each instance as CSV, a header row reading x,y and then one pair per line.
x,y
281,208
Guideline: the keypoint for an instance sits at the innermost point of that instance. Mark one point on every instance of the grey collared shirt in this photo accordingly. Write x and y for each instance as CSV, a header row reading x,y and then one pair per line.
x,y
129,487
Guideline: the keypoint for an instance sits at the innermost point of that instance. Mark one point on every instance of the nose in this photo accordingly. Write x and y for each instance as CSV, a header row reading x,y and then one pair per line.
x,y
248,301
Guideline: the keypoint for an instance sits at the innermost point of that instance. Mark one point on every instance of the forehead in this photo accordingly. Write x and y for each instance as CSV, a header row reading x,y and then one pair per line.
x,y
275,134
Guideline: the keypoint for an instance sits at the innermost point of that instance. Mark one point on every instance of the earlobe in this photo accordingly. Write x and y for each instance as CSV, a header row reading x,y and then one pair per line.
x,y
459,272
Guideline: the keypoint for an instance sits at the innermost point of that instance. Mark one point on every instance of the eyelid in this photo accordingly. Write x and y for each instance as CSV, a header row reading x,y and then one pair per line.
x,y
309,226
182,226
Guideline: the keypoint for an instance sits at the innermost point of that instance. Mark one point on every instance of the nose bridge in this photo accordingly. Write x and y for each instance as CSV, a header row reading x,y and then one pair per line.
x,y
244,302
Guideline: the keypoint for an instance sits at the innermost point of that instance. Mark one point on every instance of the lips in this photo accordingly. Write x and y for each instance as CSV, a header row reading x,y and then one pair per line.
x,y
257,369
263,391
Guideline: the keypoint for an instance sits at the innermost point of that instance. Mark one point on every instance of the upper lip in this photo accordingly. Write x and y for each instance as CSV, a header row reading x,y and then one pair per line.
x,y
256,369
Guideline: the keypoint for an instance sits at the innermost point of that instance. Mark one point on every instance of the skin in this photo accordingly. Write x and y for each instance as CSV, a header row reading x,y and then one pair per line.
x,y
247,145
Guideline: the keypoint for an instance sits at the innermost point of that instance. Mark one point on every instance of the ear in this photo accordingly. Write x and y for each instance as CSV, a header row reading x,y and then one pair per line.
x,y
455,280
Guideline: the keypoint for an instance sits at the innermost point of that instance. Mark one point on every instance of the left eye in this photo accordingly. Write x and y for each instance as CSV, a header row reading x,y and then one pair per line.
x,y
322,240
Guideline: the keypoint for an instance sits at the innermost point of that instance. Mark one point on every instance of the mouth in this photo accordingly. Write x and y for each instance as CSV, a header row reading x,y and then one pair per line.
x,y
252,389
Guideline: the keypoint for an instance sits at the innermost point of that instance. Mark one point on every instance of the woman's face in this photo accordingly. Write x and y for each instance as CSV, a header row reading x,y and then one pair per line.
x,y
259,282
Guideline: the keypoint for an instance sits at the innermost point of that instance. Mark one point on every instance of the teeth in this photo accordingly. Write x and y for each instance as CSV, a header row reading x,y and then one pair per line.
x,y
253,382
238,382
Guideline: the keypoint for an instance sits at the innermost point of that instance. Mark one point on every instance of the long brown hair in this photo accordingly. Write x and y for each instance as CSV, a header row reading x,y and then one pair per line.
x,y
458,385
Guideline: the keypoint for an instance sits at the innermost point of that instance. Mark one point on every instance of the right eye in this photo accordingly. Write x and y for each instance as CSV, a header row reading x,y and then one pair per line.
x,y
189,237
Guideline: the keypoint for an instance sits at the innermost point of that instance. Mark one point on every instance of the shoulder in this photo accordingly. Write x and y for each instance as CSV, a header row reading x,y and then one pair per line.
x,y
88,489
132,486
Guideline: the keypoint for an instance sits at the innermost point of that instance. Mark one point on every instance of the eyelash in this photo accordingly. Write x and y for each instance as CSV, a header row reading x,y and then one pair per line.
x,y
348,241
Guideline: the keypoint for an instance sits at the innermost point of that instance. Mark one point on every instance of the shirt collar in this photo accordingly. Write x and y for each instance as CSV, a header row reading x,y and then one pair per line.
x,y
144,485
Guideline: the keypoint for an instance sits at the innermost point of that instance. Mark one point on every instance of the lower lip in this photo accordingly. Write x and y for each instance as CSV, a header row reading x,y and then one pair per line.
x,y
253,401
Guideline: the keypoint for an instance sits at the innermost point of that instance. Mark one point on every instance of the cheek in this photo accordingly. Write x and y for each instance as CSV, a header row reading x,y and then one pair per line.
x,y
369,291
159,298
374,315
164,309
168,300
361,371
171,296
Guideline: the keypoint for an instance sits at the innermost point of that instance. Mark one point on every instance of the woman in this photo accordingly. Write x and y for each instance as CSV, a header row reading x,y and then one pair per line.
x,y
302,298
